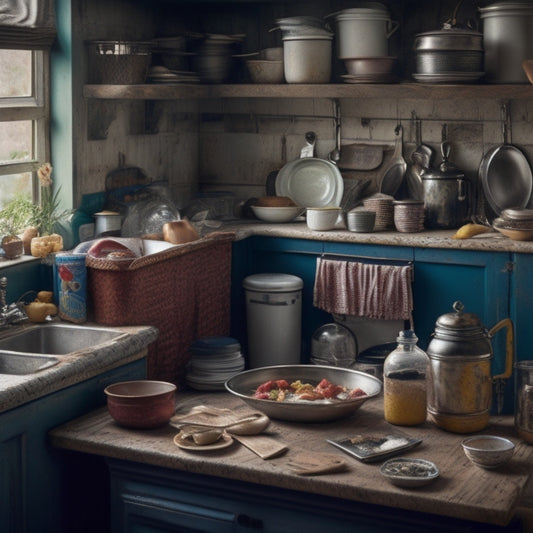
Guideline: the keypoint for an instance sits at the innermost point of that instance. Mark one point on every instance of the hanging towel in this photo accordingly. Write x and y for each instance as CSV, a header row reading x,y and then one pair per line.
x,y
361,289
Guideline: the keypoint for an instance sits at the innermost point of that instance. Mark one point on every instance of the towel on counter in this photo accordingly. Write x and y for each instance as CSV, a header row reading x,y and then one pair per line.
x,y
364,289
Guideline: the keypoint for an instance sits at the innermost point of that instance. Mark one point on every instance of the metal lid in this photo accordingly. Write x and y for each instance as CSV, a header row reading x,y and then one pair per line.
x,y
499,7
449,39
460,321
271,282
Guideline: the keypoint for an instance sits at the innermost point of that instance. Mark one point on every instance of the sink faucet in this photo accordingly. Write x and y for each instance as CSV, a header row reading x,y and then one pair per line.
x,y
13,313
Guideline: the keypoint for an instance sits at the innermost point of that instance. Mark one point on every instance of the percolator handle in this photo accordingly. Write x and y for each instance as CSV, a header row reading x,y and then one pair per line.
x,y
509,346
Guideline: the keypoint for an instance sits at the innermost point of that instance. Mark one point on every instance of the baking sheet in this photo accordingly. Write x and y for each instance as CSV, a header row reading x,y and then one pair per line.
x,y
368,448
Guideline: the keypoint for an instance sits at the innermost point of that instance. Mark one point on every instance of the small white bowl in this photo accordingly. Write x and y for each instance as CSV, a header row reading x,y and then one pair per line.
x,y
488,451
322,218
277,214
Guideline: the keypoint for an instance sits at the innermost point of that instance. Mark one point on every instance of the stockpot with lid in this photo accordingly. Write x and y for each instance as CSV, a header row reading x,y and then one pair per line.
x,y
460,382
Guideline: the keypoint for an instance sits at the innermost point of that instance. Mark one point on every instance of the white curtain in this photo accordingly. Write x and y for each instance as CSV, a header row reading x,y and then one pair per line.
x,y
27,23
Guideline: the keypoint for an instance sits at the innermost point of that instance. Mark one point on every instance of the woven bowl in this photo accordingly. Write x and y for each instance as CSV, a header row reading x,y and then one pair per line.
x,y
141,404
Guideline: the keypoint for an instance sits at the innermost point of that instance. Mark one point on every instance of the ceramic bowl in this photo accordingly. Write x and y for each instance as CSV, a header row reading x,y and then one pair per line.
x,y
405,472
357,66
141,404
277,214
322,218
488,451
265,71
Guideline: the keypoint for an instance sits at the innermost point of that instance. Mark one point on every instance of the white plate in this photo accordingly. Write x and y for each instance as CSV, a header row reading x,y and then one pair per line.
x,y
187,444
311,182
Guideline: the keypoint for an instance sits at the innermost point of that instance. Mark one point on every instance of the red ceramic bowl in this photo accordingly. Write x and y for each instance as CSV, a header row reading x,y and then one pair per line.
x,y
141,404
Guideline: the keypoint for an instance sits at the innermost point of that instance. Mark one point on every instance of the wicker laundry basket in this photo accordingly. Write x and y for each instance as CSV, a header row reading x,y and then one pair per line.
x,y
183,291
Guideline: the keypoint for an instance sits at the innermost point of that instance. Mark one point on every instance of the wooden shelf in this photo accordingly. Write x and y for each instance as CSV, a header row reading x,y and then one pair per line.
x,y
397,90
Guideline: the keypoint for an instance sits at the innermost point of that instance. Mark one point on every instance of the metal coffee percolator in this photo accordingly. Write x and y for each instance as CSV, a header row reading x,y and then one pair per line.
x,y
460,382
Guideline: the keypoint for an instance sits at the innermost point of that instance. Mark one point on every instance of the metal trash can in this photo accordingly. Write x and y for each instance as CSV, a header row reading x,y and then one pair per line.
x,y
274,319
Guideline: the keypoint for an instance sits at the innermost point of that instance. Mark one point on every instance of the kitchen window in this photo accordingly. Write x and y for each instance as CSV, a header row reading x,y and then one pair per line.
x,y
27,31
24,121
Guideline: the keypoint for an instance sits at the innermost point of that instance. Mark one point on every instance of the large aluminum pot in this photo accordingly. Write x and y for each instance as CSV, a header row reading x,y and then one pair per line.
x,y
449,50
364,31
508,40
460,382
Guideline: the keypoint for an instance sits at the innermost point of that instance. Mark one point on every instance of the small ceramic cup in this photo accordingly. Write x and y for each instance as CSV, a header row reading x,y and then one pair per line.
x,y
323,218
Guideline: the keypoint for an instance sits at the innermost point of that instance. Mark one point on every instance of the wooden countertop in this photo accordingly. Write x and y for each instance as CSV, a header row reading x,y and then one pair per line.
x,y
462,491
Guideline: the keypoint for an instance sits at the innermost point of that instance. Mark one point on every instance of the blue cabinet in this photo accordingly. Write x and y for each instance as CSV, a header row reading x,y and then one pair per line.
x,y
148,499
481,280
33,474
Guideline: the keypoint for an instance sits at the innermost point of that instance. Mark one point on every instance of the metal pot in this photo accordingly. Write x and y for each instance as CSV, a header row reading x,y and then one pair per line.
x,y
460,384
445,195
449,50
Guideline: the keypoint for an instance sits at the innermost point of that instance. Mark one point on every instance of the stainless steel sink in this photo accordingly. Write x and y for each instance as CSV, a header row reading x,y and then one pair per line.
x,y
18,364
57,339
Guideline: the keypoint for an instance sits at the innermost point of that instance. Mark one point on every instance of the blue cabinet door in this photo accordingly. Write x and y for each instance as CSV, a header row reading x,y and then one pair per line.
x,y
521,305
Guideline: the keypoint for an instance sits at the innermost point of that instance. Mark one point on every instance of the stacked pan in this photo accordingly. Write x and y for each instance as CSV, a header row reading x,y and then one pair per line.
x,y
449,56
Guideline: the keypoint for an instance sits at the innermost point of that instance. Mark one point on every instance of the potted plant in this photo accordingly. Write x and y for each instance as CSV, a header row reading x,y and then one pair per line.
x,y
14,219
46,216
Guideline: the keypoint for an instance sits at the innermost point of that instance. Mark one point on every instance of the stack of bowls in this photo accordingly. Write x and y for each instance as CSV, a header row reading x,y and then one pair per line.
x,y
409,215
361,220
213,361
267,67
384,209
307,46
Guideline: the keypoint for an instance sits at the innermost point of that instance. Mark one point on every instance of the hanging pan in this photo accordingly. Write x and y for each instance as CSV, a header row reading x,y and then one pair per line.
x,y
505,174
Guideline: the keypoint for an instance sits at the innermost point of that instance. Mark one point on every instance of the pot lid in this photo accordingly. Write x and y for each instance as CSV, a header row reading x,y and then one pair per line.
x,y
498,7
459,320
449,39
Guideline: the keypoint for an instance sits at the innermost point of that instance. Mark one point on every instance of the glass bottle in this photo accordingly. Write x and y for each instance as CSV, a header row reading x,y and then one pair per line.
x,y
405,382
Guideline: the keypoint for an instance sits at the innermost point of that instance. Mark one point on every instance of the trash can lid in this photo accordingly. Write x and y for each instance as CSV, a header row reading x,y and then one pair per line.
x,y
273,282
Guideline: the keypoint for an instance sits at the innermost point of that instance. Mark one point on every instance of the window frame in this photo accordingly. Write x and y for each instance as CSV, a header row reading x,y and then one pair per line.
x,y
37,109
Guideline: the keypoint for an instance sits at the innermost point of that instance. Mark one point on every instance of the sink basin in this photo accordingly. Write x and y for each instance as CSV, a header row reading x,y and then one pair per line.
x,y
18,364
57,339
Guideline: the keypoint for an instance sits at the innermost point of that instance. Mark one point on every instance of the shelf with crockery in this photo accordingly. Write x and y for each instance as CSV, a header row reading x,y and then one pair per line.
x,y
296,90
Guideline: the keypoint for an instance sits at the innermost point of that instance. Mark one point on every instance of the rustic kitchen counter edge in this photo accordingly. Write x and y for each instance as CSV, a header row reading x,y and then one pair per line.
x,y
462,491
488,242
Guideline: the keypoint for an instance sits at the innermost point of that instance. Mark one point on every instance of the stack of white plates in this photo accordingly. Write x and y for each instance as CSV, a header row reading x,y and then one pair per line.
x,y
213,361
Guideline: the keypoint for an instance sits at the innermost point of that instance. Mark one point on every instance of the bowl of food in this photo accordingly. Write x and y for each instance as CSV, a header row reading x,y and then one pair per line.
x,y
405,472
488,451
304,393
142,404
277,214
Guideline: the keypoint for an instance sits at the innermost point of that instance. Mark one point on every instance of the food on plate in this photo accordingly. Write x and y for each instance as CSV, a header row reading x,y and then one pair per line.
x,y
274,201
280,390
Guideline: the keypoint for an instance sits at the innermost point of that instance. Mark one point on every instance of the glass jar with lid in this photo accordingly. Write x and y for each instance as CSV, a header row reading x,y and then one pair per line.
x,y
405,382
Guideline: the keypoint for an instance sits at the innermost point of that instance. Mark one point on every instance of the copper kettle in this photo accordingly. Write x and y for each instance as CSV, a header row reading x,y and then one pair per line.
x,y
460,381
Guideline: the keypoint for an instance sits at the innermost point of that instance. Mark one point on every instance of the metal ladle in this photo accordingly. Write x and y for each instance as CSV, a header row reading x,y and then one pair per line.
x,y
335,154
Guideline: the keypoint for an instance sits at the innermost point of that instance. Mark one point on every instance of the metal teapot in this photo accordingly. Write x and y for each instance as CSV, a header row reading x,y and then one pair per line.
x,y
460,382
444,192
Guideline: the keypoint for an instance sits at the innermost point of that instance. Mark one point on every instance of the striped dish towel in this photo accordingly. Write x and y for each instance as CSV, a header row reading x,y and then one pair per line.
x,y
366,290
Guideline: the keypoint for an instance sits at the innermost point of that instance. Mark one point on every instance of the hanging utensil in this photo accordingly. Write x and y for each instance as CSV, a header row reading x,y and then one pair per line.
x,y
393,176
421,160
335,155
505,173
361,156
309,149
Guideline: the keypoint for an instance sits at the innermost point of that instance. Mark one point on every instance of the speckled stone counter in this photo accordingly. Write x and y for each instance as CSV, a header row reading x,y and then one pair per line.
x,y
463,490
488,242
73,368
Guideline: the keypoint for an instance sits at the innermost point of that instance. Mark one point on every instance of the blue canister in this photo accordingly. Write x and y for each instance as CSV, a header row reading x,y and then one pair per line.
x,y
71,280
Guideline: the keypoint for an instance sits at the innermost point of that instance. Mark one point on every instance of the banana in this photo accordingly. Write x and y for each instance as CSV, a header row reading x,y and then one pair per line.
x,y
469,230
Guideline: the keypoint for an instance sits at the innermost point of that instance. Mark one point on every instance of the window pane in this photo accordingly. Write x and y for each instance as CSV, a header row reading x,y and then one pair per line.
x,y
13,185
15,66
15,141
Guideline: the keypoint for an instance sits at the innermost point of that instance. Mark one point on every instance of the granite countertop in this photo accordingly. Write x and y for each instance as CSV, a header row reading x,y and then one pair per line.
x,y
488,242
73,368
462,491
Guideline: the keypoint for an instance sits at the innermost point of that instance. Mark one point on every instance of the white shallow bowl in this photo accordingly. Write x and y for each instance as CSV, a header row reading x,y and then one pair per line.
x,y
277,214
405,472
488,451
